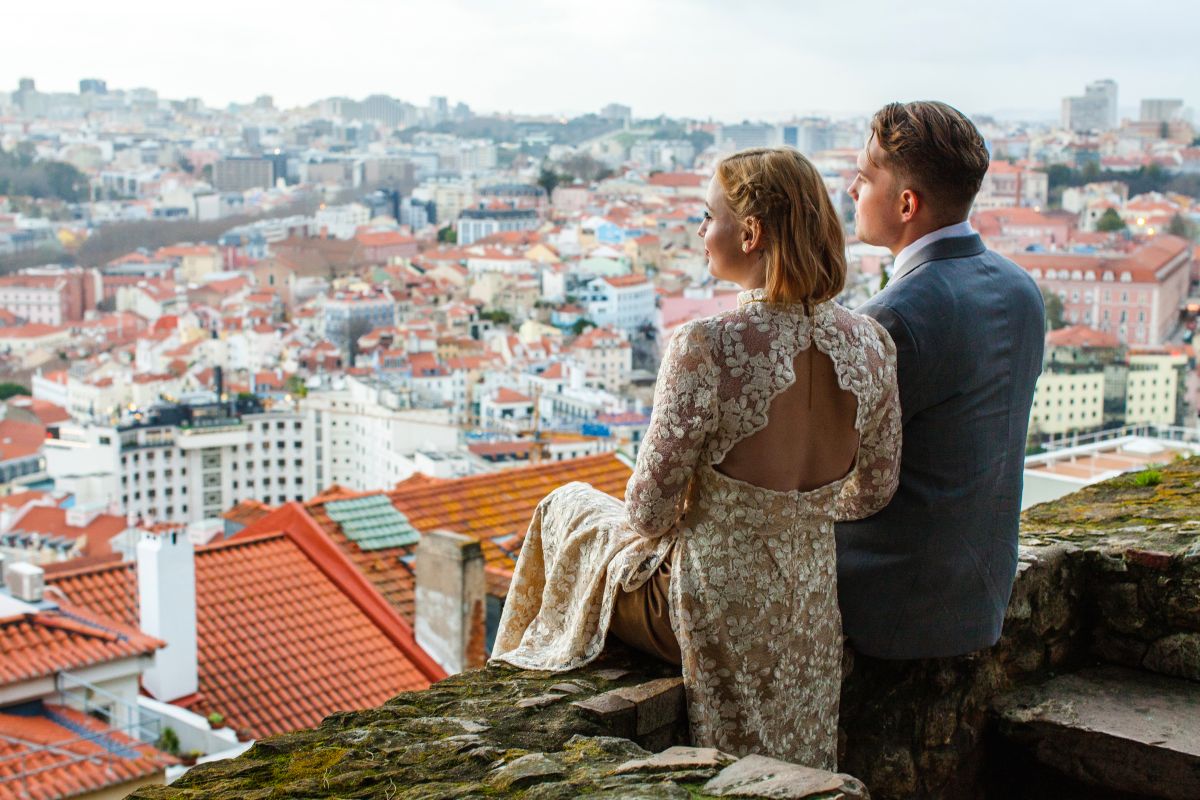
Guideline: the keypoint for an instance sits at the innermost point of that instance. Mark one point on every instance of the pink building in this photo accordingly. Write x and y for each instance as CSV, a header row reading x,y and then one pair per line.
x,y
1011,230
1137,296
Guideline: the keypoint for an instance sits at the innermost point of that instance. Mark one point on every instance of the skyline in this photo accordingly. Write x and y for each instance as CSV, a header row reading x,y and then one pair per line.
x,y
668,57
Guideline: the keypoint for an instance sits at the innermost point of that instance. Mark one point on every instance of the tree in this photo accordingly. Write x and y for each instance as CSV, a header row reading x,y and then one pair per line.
x,y
1054,310
295,386
1181,227
581,325
447,235
496,315
8,390
1110,221
548,180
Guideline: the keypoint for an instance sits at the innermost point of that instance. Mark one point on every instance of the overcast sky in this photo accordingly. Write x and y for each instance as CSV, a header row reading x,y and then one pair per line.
x,y
705,58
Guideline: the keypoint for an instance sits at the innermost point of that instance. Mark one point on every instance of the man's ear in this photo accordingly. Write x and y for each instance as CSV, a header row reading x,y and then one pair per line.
x,y
910,203
752,235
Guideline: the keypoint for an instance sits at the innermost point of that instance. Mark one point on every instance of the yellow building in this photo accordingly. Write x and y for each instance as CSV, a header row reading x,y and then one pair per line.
x,y
1064,402
1152,388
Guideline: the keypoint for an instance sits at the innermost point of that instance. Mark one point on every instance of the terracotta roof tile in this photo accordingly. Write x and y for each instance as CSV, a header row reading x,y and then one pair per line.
x,y
70,637
287,631
77,763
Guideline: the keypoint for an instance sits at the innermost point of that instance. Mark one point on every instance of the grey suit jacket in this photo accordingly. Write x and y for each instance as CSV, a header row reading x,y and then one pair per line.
x,y
930,575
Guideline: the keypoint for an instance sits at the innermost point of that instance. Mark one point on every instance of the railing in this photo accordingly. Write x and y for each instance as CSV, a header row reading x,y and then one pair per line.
x,y
60,752
1173,433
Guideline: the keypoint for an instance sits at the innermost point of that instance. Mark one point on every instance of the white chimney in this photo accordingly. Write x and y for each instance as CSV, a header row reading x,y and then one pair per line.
x,y
25,581
450,609
166,570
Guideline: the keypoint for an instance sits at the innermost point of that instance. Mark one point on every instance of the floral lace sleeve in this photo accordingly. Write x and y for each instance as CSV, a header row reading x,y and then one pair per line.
x,y
684,416
874,481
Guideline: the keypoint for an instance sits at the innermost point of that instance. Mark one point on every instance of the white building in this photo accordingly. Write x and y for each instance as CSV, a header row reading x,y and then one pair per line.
x,y
342,222
626,302
366,434
187,463
478,223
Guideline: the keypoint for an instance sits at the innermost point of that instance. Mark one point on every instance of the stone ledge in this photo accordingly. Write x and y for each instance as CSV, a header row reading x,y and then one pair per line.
x,y
504,732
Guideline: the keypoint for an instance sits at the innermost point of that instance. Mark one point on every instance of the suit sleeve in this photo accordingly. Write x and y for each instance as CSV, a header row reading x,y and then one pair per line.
x,y
910,370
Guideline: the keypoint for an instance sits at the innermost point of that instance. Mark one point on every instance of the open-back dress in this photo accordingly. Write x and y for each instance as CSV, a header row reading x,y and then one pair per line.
x,y
753,590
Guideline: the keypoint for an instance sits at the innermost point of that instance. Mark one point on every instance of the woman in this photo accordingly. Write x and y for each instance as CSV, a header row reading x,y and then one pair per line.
x,y
770,423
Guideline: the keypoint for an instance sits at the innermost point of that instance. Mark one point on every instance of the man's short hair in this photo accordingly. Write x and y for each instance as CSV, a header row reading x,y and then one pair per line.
x,y
936,149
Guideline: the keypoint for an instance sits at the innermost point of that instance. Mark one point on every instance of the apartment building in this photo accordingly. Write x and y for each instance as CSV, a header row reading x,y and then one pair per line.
x,y
1137,296
189,461
366,434
1090,381
478,223
349,315
626,302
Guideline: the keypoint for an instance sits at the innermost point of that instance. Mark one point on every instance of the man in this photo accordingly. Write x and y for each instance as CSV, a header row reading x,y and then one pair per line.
x,y
930,575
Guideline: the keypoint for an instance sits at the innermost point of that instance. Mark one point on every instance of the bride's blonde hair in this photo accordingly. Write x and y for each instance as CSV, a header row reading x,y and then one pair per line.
x,y
804,245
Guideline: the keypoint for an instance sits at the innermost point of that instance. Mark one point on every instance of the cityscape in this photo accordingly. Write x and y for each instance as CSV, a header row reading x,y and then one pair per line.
x,y
265,369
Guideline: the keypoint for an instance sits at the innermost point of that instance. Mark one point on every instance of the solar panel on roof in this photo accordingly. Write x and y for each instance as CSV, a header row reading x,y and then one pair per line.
x,y
372,523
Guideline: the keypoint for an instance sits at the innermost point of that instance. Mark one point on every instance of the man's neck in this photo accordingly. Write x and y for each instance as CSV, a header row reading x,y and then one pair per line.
x,y
910,235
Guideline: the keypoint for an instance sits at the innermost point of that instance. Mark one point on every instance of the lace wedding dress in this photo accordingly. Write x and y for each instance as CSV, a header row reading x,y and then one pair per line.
x,y
753,597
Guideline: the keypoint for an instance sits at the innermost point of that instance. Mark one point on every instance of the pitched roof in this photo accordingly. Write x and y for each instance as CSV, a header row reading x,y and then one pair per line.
x,y
43,642
20,439
1081,336
288,631
506,395
63,753
498,503
52,521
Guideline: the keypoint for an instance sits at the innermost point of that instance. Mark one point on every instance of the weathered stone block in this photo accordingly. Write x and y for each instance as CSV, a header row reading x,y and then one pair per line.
x,y
759,776
539,701
526,771
1118,604
1177,655
617,715
659,703
1115,728
679,757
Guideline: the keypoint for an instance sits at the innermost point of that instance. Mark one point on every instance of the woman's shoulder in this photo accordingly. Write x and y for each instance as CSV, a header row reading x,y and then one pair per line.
x,y
861,329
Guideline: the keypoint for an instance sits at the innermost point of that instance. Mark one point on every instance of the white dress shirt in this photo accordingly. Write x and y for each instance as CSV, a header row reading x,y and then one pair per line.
x,y
904,259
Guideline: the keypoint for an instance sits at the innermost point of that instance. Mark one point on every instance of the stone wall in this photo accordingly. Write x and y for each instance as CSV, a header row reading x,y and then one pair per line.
x,y
1110,573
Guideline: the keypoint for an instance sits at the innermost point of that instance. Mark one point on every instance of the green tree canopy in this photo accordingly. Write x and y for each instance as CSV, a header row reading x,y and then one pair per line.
x,y
8,390
1054,310
1110,221
1181,227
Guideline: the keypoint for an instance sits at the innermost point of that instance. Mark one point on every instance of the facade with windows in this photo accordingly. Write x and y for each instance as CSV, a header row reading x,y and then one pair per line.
x,y
1138,297
175,466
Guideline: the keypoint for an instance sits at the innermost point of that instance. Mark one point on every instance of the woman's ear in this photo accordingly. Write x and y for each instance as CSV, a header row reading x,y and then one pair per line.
x,y
752,235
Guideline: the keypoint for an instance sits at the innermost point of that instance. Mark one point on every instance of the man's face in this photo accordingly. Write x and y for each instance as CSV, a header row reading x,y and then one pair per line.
x,y
877,201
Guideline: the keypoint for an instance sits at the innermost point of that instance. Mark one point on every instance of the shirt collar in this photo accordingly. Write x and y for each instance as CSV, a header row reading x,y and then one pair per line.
x,y
904,259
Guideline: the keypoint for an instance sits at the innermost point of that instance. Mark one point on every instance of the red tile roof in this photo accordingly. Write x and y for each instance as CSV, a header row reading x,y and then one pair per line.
x,y
52,521
288,630
58,761
626,280
506,395
68,638
20,439
678,179
44,410
1081,336
498,503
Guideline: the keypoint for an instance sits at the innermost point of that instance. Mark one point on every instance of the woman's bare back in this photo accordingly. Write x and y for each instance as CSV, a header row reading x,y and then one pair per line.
x,y
809,440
